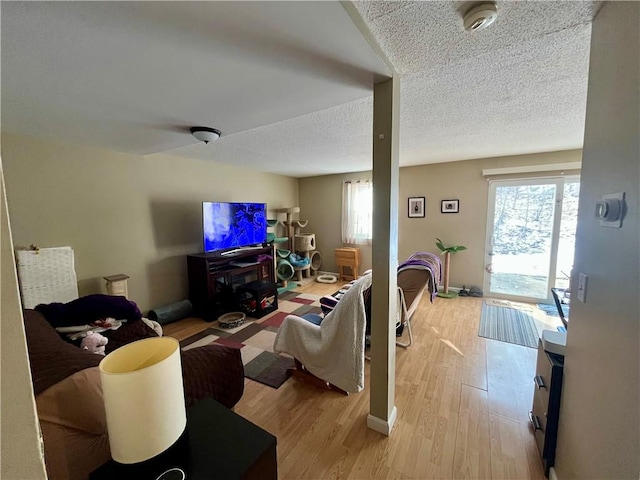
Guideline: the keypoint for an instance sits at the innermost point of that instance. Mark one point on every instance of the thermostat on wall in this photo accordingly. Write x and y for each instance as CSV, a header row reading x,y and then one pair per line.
x,y
610,210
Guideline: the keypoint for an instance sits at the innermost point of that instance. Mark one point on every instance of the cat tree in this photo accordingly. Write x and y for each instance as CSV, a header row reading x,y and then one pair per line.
x,y
447,251
301,246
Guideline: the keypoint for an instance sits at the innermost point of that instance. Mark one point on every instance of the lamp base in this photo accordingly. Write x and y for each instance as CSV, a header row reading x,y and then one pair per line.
x,y
173,474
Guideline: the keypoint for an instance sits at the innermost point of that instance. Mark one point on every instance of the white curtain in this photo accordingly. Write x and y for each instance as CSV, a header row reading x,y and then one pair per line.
x,y
357,212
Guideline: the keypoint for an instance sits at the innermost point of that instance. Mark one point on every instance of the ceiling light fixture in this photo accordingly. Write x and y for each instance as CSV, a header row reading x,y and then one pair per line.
x,y
205,134
480,16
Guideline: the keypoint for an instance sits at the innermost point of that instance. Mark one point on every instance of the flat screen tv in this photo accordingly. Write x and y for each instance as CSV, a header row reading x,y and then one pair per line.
x,y
233,225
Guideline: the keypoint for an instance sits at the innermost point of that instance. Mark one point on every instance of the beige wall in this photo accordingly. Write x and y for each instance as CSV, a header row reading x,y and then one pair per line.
x,y
599,432
321,203
19,431
124,213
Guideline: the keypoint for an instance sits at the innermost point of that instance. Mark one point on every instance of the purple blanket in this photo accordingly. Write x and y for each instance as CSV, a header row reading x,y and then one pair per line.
x,y
427,261
85,310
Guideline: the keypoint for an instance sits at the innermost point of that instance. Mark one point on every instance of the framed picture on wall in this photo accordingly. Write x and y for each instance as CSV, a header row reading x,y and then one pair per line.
x,y
450,206
416,207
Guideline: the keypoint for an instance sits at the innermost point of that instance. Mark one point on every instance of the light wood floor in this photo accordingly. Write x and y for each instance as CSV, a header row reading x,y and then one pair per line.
x,y
462,405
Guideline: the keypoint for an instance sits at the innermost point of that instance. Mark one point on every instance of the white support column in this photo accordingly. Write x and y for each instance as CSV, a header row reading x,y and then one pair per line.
x,y
386,118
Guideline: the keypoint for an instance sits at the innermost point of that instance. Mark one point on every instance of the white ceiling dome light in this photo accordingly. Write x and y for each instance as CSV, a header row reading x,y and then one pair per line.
x,y
480,16
205,134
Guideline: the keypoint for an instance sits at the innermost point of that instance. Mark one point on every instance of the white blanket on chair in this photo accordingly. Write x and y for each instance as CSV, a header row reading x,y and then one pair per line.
x,y
333,351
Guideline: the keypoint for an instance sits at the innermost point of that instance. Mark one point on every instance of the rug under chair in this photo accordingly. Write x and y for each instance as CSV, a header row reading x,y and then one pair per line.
x,y
255,339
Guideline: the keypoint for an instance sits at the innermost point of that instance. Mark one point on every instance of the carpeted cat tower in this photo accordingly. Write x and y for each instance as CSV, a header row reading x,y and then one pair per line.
x,y
300,259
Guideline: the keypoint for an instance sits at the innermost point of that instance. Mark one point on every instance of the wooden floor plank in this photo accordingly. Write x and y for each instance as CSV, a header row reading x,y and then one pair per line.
x,y
185,328
533,455
508,453
502,391
510,371
472,458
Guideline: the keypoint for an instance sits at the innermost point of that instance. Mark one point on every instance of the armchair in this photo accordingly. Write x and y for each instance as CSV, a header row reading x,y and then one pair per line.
x,y
420,272
334,350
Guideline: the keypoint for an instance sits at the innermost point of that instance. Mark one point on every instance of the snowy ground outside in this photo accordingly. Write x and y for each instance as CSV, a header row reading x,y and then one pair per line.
x,y
526,274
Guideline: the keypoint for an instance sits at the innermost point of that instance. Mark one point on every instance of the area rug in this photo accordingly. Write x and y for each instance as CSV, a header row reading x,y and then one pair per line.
x,y
499,302
255,339
508,325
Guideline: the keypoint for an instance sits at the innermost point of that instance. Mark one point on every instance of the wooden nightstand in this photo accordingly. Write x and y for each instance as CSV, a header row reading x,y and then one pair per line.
x,y
348,262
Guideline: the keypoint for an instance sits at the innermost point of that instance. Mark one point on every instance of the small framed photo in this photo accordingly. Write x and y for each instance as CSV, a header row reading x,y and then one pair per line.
x,y
416,207
450,206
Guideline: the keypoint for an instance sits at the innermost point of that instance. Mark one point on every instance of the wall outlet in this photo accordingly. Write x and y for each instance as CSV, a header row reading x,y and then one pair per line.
x,y
582,287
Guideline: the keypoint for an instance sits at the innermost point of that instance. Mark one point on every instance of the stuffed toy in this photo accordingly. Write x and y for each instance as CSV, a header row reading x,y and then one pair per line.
x,y
153,325
94,343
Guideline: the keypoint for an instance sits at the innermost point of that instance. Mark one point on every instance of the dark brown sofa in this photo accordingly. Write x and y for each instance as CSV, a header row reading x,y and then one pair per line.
x,y
66,382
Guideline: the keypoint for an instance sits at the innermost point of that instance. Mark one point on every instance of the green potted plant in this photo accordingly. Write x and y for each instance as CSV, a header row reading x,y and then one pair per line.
x,y
447,251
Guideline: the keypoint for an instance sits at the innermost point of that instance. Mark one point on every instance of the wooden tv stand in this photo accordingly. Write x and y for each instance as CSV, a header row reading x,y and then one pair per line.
x,y
213,278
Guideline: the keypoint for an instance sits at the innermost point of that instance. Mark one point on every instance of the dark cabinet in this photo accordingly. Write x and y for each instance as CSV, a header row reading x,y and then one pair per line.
x,y
213,278
545,411
258,298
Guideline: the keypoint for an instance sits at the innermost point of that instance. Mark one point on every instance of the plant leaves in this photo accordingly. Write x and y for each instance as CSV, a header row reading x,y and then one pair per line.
x,y
451,249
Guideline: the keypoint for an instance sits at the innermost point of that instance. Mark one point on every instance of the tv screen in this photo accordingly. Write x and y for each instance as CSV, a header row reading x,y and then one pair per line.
x,y
233,225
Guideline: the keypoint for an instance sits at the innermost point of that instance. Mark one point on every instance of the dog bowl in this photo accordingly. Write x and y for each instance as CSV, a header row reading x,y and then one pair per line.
x,y
231,319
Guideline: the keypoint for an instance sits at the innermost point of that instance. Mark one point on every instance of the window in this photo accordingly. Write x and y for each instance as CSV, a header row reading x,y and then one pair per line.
x,y
357,212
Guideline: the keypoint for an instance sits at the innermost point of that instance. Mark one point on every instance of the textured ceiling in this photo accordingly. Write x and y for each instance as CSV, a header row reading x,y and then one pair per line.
x,y
417,36
516,87
133,76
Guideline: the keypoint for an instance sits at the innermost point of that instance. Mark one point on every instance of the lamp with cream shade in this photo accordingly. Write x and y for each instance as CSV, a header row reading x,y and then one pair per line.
x,y
144,398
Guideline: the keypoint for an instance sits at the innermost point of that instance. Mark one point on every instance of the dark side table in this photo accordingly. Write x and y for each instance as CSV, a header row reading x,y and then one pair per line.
x,y
218,444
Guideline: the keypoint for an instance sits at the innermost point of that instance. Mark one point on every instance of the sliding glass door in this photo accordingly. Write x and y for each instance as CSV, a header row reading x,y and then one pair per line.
x,y
568,225
530,237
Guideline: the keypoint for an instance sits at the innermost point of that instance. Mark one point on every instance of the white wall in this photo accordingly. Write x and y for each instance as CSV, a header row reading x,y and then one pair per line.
x,y
599,432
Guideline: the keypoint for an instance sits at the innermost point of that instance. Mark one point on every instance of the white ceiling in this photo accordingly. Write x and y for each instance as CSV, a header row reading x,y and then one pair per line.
x,y
289,83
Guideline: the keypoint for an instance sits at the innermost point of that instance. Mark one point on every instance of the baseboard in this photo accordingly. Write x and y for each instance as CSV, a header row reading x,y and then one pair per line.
x,y
382,426
552,474
453,289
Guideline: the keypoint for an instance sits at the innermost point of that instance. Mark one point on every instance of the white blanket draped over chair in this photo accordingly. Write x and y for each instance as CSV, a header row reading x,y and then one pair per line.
x,y
334,350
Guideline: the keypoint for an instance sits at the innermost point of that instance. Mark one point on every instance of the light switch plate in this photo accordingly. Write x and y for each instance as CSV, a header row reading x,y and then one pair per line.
x,y
582,287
